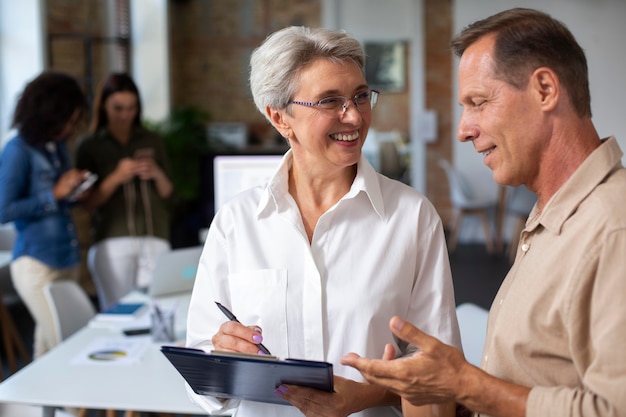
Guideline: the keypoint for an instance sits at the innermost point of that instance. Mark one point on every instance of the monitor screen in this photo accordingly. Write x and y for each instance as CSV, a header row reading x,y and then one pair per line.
x,y
236,173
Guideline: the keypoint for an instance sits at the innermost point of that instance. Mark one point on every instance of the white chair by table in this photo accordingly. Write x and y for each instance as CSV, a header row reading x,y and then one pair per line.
x,y
24,410
465,202
13,343
71,311
71,307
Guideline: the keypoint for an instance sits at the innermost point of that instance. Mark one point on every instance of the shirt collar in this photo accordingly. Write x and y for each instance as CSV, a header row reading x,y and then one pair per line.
x,y
275,193
598,165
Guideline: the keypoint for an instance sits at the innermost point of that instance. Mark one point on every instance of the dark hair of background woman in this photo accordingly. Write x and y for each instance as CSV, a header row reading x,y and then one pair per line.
x,y
114,83
45,106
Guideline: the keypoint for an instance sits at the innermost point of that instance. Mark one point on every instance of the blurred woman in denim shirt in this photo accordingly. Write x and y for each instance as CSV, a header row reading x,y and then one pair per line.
x,y
36,179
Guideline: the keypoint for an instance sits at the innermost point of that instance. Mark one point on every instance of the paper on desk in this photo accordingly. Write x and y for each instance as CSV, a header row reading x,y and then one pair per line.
x,y
142,321
113,351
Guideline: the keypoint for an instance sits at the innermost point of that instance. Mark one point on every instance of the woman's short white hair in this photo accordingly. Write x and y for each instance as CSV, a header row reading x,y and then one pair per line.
x,y
275,65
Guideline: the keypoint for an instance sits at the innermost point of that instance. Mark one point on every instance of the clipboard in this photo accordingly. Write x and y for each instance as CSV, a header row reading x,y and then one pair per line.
x,y
246,377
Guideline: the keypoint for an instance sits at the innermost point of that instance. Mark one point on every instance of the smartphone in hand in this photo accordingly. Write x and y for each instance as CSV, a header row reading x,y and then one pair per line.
x,y
82,187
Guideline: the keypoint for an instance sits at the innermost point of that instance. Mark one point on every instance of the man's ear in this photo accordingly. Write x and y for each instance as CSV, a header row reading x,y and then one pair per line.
x,y
546,83
277,118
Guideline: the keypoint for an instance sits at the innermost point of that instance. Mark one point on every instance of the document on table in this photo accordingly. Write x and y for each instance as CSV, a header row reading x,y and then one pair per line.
x,y
113,351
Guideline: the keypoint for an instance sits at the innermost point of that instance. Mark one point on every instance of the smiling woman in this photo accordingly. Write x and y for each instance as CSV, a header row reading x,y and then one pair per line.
x,y
285,254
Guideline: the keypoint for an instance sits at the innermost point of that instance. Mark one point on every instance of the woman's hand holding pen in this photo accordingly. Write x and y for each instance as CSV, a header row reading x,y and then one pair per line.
x,y
235,337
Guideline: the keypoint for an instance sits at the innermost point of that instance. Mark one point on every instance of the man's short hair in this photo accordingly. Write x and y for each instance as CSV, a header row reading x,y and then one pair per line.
x,y
527,39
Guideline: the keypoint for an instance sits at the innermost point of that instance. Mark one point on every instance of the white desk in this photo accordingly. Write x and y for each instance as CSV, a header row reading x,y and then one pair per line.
x,y
151,384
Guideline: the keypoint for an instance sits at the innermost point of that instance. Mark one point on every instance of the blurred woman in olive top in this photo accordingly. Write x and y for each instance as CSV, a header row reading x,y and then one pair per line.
x,y
130,199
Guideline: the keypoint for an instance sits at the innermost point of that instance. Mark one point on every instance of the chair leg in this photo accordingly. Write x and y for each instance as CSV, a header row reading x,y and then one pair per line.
x,y
11,339
454,233
488,238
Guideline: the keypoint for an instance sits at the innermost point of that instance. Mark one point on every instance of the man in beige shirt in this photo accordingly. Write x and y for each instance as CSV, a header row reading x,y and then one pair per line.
x,y
556,340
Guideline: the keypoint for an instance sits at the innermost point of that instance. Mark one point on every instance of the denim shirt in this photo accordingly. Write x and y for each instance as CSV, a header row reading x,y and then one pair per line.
x,y
45,228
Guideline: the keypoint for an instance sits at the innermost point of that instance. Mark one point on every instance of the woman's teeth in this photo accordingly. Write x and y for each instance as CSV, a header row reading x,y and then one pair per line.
x,y
345,138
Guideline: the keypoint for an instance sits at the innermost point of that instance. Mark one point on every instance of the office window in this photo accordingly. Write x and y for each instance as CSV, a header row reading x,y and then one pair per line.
x,y
89,39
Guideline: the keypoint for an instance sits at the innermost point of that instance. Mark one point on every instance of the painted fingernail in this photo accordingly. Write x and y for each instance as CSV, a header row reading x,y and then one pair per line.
x,y
282,389
278,393
257,338
258,330
260,352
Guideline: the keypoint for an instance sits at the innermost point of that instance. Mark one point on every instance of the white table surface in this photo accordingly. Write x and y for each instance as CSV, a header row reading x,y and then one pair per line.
x,y
150,384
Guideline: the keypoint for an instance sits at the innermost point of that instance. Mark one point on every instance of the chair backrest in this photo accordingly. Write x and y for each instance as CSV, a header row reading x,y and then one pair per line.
x,y
7,240
71,307
461,192
7,236
175,271
473,327
520,200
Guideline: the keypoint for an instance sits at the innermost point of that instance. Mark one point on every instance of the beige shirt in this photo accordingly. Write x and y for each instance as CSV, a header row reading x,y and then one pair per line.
x,y
558,322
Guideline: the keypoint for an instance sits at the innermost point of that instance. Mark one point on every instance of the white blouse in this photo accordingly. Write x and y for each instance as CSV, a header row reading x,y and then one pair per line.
x,y
379,252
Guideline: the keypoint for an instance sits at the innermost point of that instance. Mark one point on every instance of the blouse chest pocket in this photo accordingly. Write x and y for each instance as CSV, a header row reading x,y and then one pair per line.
x,y
259,297
43,175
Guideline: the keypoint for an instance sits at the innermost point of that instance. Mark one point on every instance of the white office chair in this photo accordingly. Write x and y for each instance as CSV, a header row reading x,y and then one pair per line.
x,y
7,240
71,310
13,343
466,203
71,307
473,327
25,410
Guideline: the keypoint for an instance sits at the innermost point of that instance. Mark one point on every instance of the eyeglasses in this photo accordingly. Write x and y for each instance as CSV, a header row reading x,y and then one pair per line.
x,y
364,102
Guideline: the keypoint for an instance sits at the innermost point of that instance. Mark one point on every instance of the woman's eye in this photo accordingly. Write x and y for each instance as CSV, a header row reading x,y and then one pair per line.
x,y
331,102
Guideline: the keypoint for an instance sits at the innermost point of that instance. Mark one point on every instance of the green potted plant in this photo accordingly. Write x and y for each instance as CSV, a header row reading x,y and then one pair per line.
x,y
185,135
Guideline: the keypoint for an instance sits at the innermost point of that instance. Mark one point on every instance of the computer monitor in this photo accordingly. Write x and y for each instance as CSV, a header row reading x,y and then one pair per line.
x,y
235,173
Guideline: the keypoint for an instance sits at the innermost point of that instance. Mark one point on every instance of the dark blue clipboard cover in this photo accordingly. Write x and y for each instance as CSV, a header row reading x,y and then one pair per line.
x,y
247,377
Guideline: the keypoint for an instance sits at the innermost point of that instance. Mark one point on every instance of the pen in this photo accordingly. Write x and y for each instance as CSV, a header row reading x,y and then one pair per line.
x,y
232,317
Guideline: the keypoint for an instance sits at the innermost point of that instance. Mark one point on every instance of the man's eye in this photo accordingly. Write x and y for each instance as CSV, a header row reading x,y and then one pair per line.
x,y
331,102
363,97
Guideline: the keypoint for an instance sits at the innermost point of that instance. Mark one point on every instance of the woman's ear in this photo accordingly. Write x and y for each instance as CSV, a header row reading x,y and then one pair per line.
x,y
277,118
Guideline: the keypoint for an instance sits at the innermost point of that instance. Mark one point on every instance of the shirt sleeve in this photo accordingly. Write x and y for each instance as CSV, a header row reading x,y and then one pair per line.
x,y
204,318
433,303
597,321
15,202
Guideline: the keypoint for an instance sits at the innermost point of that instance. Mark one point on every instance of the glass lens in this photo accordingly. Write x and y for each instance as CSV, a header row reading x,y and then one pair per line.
x,y
362,98
331,103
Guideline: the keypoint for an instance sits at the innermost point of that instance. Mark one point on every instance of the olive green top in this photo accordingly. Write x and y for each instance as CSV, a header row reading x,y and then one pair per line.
x,y
126,208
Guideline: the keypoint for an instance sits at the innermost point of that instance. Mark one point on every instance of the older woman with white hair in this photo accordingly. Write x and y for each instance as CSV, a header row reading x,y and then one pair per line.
x,y
315,262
